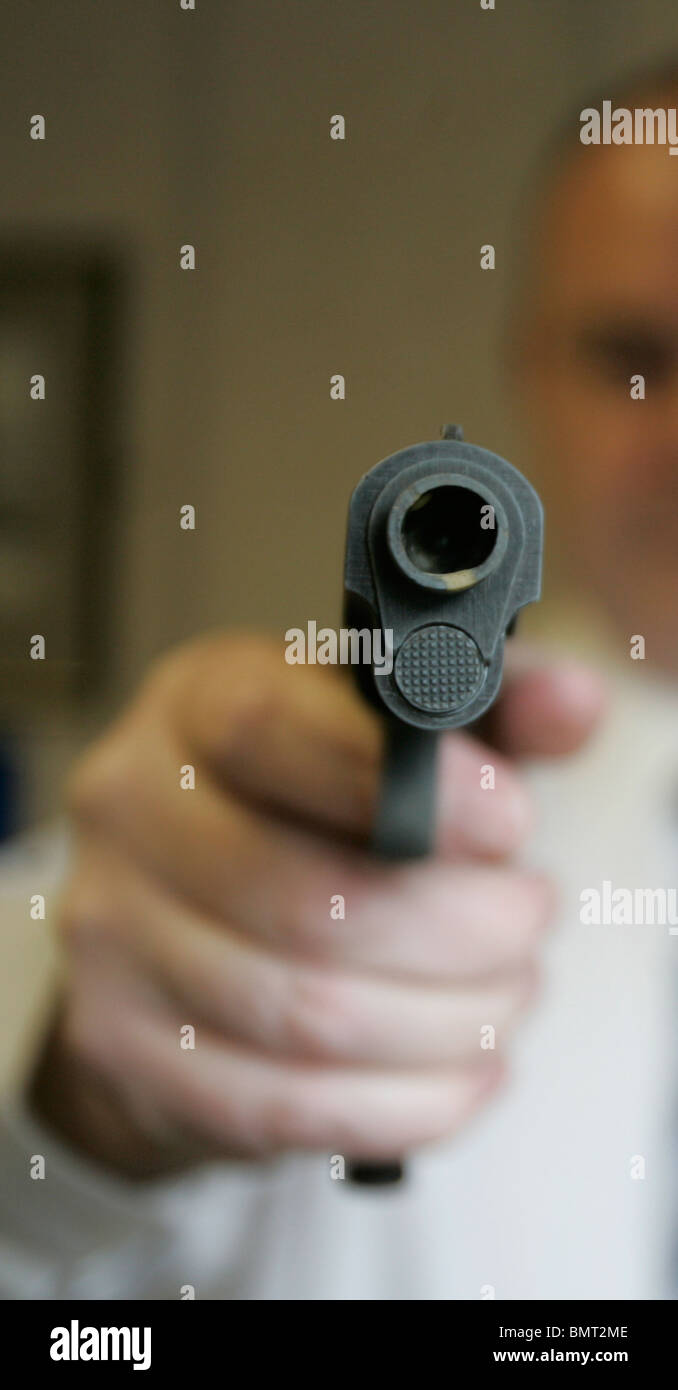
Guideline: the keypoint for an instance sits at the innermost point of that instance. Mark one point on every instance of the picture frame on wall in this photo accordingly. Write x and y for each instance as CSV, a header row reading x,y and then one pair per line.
x,y
61,389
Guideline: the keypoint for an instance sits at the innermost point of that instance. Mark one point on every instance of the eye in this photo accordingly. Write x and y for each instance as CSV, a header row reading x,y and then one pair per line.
x,y
618,354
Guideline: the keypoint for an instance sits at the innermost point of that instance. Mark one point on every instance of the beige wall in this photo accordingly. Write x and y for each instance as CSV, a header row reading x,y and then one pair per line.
x,y
314,257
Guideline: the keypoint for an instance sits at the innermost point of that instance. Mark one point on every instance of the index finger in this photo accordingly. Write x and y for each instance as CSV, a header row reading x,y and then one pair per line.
x,y
300,740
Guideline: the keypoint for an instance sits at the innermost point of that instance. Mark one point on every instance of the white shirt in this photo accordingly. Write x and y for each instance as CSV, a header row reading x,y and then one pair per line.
x,y
535,1199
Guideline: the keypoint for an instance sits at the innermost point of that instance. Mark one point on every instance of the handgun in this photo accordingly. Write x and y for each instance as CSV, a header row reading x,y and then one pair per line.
x,y
444,546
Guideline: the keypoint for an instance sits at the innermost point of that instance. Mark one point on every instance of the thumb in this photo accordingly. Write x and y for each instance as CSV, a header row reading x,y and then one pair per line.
x,y
547,707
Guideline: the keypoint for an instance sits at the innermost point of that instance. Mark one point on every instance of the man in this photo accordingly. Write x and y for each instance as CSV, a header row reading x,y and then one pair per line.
x,y
171,1170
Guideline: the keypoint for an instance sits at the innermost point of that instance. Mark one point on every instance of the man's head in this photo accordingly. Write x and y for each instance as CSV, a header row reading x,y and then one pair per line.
x,y
600,307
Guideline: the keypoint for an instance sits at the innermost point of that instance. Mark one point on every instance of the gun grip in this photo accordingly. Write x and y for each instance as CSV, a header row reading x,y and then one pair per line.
x,y
404,829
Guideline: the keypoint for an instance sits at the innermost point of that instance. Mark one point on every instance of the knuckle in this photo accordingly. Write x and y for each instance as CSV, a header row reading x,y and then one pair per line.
x,y
84,917
228,649
84,1036
505,1011
318,1020
532,898
250,706
470,1087
520,992
516,803
93,908
189,666
102,783
487,804
291,1120
307,1116
445,1117
87,1031
299,893
512,803
238,696
542,899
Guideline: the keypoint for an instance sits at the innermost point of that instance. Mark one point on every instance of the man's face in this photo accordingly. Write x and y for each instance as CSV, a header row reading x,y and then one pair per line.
x,y
605,309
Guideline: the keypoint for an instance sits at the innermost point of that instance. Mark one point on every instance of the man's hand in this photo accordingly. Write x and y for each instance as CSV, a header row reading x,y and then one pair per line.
x,y
212,907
